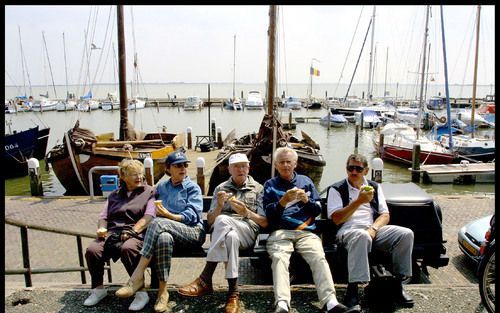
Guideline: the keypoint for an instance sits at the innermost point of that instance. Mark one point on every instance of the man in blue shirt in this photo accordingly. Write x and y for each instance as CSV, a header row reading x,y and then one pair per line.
x,y
291,203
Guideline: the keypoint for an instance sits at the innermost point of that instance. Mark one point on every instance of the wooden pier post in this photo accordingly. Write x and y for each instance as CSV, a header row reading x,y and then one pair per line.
x,y
356,135
377,169
290,120
189,130
415,167
200,176
148,168
329,117
35,177
381,145
212,122
219,137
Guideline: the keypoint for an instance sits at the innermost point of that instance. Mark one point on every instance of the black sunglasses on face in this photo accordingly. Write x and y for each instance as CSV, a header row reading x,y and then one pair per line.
x,y
180,165
358,169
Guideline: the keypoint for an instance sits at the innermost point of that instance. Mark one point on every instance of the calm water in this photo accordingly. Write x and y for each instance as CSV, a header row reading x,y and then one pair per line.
x,y
336,144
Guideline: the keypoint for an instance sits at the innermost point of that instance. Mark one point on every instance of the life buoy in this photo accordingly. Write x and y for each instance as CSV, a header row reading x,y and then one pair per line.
x,y
442,119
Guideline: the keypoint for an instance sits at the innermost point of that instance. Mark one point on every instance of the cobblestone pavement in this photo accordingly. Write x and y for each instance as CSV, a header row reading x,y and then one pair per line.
x,y
79,214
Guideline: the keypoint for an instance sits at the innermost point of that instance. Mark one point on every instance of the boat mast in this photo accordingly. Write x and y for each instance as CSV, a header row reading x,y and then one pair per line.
x,y
448,108
234,62
368,93
50,67
474,84
65,68
419,116
270,76
122,74
270,59
22,58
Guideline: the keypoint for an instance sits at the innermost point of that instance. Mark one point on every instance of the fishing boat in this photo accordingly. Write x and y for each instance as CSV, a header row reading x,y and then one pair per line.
x,y
20,147
81,149
260,147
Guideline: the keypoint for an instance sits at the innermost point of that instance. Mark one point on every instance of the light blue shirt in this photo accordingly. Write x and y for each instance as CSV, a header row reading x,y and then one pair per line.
x,y
184,199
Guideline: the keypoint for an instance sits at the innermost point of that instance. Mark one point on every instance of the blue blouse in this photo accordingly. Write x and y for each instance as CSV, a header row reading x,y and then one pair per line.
x,y
184,199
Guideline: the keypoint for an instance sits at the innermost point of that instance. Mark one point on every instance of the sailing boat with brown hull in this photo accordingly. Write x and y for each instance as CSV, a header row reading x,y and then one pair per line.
x,y
260,147
81,149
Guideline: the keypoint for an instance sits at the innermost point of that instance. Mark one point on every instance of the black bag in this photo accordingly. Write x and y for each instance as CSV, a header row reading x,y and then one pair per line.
x,y
383,288
113,244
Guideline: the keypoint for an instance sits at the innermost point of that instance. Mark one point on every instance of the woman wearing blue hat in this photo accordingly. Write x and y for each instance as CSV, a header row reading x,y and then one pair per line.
x,y
178,221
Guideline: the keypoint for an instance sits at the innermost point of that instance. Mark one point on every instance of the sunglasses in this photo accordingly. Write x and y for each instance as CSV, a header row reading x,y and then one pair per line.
x,y
180,165
358,169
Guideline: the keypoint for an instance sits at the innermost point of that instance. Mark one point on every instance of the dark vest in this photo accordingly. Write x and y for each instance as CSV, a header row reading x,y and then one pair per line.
x,y
343,189
123,210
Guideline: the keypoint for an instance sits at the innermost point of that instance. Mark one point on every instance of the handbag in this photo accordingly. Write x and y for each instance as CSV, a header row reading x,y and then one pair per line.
x,y
113,244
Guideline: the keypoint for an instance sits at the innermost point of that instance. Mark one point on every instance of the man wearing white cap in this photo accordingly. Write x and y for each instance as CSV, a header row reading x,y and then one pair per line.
x,y
235,216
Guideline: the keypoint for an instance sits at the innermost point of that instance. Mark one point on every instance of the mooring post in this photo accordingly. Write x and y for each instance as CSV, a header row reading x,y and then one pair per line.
x,y
219,137
148,167
189,130
356,135
212,122
377,169
415,167
290,120
381,145
200,176
35,177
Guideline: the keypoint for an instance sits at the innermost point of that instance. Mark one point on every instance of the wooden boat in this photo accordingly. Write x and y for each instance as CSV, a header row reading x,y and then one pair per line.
x,y
81,149
258,148
21,146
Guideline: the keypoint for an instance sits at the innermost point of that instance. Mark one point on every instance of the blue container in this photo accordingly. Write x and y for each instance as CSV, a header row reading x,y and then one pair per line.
x,y
108,184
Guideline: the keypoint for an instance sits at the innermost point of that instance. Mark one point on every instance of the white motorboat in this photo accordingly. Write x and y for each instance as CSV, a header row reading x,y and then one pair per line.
x,y
254,100
193,103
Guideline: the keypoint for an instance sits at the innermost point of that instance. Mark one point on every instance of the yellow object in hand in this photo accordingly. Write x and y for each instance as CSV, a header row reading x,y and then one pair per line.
x,y
367,188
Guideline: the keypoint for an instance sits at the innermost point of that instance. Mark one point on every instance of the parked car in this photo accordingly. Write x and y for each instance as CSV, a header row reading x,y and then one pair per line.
x,y
471,236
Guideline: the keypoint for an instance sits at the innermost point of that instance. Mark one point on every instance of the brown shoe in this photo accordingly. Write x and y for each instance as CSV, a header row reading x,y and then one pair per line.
x,y
233,303
195,289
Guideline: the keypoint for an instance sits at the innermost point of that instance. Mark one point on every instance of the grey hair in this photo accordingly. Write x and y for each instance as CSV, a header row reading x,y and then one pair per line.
x,y
129,165
285,150
358,158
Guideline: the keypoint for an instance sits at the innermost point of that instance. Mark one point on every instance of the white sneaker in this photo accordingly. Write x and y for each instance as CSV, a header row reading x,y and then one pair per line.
x,y
96,295
140,301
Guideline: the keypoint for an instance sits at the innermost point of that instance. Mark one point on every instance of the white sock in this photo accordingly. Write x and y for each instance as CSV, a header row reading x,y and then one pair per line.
x,y
331,303
282,304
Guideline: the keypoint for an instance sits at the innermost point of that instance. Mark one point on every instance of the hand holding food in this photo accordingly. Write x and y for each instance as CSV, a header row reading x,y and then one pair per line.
x,y
102,232
366,194
367,188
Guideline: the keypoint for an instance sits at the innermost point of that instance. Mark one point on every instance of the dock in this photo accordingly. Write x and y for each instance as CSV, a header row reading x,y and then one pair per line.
x,y
463,173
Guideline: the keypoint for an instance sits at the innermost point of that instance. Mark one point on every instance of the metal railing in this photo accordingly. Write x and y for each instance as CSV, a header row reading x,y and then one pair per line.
x,y
27,270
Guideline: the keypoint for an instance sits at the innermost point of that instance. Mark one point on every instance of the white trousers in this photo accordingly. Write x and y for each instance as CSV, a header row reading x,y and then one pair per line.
x,y
396,240
280,245
229,235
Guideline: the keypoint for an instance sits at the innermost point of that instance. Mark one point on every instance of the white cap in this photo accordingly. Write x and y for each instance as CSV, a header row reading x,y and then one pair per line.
x,y
238,158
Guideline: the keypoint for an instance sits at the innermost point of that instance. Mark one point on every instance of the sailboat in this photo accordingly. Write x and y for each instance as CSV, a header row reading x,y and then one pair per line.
x,y
234,103
469,147
81,149
398,139
260,147
136,102
68,104
45,103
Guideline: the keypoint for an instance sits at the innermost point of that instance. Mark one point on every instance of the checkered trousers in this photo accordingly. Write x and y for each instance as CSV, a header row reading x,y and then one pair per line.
x,y
161,237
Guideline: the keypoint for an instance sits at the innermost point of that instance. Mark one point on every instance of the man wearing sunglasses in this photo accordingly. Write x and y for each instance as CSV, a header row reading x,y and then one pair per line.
x,y
358,207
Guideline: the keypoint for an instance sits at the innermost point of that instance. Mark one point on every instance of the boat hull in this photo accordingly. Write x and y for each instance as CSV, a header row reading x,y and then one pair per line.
x,y
405,155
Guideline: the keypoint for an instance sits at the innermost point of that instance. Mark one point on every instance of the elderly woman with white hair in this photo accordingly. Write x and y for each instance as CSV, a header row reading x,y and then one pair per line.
x,y
120,230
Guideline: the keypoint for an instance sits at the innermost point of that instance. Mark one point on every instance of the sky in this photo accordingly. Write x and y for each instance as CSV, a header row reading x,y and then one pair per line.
x,y
200,44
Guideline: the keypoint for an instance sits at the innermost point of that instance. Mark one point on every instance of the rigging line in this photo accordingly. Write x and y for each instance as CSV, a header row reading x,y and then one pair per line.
x,y
92,82
103,45
22,59
50,66
469,26
468,56
282,19
13,82
348,51
359,57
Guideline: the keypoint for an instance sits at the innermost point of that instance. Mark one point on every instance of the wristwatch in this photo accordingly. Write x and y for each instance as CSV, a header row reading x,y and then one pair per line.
x,y
375,228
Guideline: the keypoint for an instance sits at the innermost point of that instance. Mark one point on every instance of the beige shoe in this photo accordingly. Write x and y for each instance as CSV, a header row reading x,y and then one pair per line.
x,y
161,304
130,289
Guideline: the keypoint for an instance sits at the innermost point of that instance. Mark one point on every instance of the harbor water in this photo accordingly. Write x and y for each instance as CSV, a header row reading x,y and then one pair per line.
x,y
336,143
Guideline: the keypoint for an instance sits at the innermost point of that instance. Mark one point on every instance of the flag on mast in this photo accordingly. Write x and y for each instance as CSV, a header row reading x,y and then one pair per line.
x,y
314,71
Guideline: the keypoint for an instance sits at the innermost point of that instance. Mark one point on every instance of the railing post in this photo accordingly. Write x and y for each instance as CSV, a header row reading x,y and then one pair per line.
x,y
80,258
148,167
26,256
